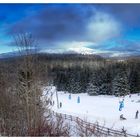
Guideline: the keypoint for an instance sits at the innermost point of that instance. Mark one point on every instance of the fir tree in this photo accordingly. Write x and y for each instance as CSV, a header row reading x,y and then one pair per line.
x,y
120,86
135,81
92,89
105,89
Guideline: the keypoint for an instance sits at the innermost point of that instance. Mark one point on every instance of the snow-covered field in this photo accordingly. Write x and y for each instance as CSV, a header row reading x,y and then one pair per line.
x,y
104,109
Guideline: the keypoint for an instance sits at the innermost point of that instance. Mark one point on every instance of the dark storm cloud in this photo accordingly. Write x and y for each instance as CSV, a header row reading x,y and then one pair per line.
x,y
129,14
68,21
56,22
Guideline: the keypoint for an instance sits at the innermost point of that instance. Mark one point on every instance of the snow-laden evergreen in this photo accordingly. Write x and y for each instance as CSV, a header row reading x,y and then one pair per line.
x,y
105,89
92,89
120,86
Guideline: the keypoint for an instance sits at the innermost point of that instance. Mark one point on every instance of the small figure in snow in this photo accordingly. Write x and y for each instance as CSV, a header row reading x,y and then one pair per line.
x,y
129,95
121,105
69,96
121,117
60,104
136,116
78,99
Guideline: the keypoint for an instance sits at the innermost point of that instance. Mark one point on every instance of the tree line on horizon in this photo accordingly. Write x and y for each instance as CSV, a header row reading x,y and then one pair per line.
x,y
102,77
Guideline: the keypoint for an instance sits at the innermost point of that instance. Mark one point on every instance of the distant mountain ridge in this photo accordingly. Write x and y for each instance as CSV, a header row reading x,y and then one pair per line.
x,y
16,53
9,54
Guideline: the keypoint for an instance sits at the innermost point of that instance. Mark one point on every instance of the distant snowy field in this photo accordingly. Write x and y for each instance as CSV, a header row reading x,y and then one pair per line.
x,y
104,109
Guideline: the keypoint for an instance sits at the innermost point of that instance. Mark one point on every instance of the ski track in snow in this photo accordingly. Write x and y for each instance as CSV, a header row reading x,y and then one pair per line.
x,y
102,108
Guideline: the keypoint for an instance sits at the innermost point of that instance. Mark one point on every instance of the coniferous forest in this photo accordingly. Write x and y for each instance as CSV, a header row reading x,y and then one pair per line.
x,y
92,74
75,73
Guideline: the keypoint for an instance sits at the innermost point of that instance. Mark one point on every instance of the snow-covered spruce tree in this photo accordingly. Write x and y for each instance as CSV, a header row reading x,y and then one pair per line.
x,y
71,83
104,81
92,89
134,81
74,85
105,89
120,85
93,85
77,87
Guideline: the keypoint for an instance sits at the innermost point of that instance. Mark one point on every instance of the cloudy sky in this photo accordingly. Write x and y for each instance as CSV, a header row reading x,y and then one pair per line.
x,y
107,29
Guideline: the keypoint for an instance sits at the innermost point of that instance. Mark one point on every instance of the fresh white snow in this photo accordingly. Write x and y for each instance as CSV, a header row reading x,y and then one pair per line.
x,y
102,109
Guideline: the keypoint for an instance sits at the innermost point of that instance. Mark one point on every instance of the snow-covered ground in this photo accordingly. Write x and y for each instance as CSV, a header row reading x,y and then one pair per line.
x,y
104,109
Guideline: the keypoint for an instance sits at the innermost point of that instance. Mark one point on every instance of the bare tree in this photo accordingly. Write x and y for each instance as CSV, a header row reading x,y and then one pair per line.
x,y
28,86
22,111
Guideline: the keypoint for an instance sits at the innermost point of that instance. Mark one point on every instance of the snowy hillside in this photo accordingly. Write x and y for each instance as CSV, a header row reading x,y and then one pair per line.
x,y
104,109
